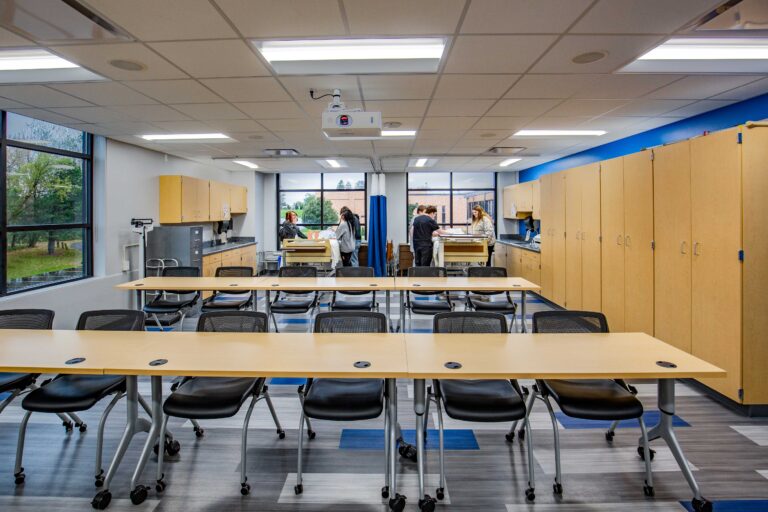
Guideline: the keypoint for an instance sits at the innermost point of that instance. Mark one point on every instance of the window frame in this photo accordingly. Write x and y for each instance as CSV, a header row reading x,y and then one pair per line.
x,y
322,190
450,191
86,225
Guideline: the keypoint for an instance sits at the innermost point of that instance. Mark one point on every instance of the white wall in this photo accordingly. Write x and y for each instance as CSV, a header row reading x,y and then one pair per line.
x,y
504,226
397,204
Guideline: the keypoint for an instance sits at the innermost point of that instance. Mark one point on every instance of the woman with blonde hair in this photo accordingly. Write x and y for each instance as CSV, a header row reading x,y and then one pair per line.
x,y
482,225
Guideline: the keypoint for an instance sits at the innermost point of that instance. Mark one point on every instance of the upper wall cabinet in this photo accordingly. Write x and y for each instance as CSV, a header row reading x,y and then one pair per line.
x,y
238,199
184,199
522,200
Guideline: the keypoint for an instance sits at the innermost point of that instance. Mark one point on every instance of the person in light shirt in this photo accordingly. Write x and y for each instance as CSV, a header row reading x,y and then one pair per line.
x,y
482,225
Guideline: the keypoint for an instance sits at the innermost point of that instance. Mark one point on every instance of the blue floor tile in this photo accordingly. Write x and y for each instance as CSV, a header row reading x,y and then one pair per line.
x,y
420,330
3,396
373,439
650,417
294,321
287,381
733,505
157,329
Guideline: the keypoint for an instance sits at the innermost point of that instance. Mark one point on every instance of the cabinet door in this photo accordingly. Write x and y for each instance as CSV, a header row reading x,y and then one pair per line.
x,y
536,199
509,201
590,239
716,269
499,255
248,257
238,199
573,238
189,206
612,248
203,200
638,242
672,235
517,262
558,238
546,236
219,201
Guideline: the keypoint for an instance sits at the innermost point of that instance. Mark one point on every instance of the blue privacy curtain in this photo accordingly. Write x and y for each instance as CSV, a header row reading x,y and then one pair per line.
x,y
377,226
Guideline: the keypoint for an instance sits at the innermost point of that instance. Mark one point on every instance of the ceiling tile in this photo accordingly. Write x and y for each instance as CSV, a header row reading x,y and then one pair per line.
x,y
642,16
166,20
553,123
448,123
183,126
41,114
624,86
175,91
272,110
8,38
210,111
40,96
235,125
95,114
431,146
522,108
522,16
132,129
213,59
550,86
502,123
105,93
299,86
406,123
487,136
701,87
620,51
291,124
255,137
474,86
496,54
576,107
11,104
464,150
399,87
745,92
247,89
315,109
392,108
649,108
278,18
151,113
403,17
444,135
459,108
96,57
698,107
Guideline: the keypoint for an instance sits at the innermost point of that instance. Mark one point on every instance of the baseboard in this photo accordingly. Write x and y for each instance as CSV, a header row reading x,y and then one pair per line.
x,y
751,411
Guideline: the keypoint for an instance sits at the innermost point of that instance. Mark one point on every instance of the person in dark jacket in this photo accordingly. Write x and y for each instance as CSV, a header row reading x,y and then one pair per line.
x,y
358,235
424,228
289,229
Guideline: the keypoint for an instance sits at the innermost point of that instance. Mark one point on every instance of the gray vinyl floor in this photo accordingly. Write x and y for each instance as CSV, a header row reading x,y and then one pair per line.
x,y
344,464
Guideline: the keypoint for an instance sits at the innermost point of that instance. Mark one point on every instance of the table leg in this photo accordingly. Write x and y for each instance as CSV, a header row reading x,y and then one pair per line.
x,y
396,501
522,303
419,407
665,431
401,315
139,301
389,313
268,309
139,492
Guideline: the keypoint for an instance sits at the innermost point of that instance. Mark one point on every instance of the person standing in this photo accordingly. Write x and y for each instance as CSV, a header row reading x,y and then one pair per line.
x,y
424,228
482,225
358,236
345,234
289,229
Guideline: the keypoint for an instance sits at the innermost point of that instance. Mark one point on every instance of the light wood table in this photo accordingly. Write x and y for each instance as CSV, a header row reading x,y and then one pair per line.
x,y
480,284
555,356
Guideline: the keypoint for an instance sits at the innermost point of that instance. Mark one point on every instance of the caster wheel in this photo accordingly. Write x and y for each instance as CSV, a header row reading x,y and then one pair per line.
x,y
557,488
281,434
101,500
408,451
67,426
521,435
311,434
609,436
245,489
397,504
19,477
529,494
139,494
427,504
298,489
385,492
440,493
99,481
648,491
172,448
509,436
641,452
199,432
702,505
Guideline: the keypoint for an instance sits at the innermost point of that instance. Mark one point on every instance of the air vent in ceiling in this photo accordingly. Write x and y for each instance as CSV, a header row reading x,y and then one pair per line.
x,y
281,152
504,150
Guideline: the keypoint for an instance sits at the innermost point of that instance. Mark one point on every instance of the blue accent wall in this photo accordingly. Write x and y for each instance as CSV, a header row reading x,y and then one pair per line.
x,y
753,109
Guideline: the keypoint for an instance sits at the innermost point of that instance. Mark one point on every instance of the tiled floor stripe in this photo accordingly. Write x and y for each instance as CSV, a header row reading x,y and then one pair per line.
x,y
734,506
650,417
648,506
758,434
57,504
605,459
373,439
538,420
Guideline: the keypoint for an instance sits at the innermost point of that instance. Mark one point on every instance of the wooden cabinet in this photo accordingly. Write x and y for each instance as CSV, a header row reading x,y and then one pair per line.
x,y
219,205
518,200
716,268
514,261
230,258
536,199
612,254
557,240
500,255
183,199
672,236
240,257
573,274
238,199
248,257
531,263
546,236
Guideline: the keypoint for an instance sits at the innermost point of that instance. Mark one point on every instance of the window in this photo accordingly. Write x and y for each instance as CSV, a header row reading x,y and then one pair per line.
x,y
46,220
454,194
318,198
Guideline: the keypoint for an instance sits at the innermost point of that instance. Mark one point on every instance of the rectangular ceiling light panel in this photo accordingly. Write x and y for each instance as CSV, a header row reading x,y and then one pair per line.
x,y
559,133
704,55
184,136
353,56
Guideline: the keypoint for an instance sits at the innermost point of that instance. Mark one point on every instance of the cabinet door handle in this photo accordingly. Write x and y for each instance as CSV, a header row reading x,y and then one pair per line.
x,y
683,247
696,248
619,239
583,235
628,241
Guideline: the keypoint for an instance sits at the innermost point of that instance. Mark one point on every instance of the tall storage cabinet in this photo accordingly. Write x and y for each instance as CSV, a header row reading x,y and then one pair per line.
x,y
557,197
546,235
573,238
612,227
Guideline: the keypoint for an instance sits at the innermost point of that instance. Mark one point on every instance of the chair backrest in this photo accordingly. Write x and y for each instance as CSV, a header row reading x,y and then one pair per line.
x,y
469,322
569,321
355,272
233,321
111,320
26,319
427,272
181,272
234,272
351,322
297,271
486,272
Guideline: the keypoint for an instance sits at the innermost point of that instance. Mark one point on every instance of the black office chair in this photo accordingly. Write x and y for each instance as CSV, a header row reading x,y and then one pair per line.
x,y
483,301
294,302
341,304
341,399
220,397
593,399
477,400
65,394
225,300
431,307
173,310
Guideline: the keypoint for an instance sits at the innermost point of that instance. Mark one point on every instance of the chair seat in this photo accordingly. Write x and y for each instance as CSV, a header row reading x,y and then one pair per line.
x,y
14,381
481,400
221,301
72,393
594,399
430,307
210,397
352,305
166,319
344,399
292,306
168,306
496,306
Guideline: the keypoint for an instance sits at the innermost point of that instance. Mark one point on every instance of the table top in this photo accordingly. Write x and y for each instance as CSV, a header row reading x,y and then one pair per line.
x,y
458,283
193,283
550,356
328,283
260,283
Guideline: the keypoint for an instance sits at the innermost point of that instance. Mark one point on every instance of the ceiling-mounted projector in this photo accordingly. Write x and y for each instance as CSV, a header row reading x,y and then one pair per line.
x,y
340,123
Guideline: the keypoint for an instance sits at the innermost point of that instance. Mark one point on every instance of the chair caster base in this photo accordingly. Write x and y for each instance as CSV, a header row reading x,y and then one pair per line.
x,y
385,492
281,434
19,477
641,452
101,500
408,451
440,493
199,432
609,436
311,434
139,494
397,504
68,426
298,489
521,435
702,505
160,484
530,495
427,504
649,491
171,447
99,479
557,488
82,427
245,489
509,436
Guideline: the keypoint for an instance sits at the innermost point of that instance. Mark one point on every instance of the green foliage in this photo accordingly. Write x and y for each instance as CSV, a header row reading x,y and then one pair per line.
x,y
30,261
311,212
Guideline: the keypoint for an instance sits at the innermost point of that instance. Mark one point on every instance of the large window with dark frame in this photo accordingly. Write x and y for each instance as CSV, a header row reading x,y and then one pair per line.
x,y
454,194
46,219
317,199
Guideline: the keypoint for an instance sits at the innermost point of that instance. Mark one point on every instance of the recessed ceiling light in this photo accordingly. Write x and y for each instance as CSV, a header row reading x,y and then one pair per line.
x,y
332,163
18,60
589,57
246,163
328,56
184,136
398,133
704,55
422,162
509,161
127,65
392,124
559,133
